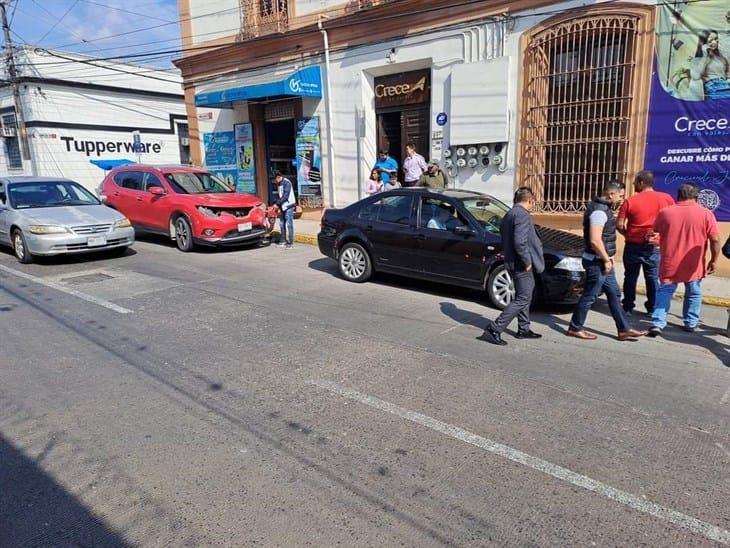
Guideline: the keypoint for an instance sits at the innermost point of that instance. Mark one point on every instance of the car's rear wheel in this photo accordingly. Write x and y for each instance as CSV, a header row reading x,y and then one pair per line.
x,y
21,248
355,263
500,287
183,234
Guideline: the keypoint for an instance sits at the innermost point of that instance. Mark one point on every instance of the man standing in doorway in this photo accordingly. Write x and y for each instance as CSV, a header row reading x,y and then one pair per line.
x,y
599,235
414,166
636,222
387,167
684,230
286,203
523,257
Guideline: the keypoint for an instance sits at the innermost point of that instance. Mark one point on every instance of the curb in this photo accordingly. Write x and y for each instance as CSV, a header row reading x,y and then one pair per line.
x,y
311,239
308,239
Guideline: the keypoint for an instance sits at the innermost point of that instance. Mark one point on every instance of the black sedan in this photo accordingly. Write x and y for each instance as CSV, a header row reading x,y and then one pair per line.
x,y
448,236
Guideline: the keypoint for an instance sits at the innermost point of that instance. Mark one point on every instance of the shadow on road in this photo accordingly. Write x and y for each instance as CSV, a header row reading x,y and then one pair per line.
x,y
75,258
37,511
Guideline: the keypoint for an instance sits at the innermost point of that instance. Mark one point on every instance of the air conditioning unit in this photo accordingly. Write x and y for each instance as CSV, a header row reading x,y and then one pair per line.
x,y
185,141
8,131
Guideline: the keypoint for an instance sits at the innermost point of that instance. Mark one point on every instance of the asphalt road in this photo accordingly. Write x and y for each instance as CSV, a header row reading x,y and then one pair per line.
x,y
255,398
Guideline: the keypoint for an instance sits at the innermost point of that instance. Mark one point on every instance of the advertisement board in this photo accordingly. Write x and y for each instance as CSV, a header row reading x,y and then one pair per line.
x,y
245,164
220,155
309,162
688,136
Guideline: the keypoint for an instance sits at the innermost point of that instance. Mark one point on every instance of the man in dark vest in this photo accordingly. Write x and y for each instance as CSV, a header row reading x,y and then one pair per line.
x,y
599,235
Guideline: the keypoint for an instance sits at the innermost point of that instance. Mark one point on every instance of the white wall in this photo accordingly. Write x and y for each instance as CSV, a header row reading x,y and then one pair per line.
x,y
305,7
211,19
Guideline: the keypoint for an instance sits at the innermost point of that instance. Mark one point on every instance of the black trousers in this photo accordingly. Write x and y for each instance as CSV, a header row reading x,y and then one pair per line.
x,y
520,306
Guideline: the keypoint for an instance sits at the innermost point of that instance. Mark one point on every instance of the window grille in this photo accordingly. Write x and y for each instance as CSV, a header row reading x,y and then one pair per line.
x,y
12,144
578,89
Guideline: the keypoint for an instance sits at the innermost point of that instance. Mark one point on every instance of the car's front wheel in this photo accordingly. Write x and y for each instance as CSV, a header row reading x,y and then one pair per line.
x,y
21,248
183,234
500,287
355,264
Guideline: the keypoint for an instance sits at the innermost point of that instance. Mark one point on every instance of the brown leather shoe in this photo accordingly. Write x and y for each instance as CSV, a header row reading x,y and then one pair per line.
x,y
631,334
582,334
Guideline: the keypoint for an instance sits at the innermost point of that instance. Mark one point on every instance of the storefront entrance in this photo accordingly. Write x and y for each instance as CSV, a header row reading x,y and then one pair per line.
x,y
281,152
402,107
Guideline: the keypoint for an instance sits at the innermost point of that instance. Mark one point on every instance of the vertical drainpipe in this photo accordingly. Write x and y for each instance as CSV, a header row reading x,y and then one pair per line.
x,y
328,113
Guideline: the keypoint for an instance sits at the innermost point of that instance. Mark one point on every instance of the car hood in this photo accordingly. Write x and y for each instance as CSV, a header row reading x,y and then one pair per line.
x,y
73,215
225,200
560,241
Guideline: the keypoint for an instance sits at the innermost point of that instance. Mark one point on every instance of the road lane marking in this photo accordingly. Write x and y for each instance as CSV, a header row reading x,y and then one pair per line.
x,y
695,525
67,290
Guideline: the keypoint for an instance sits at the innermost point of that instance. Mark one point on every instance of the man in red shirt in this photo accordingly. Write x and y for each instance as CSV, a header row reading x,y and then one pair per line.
x,y
636,222
684,229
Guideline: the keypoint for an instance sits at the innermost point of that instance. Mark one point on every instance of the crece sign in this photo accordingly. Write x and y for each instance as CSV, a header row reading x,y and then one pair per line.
x,y
406,88
100,147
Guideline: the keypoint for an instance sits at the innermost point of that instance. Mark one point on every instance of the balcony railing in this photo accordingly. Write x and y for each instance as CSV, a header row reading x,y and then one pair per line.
x,y
261,17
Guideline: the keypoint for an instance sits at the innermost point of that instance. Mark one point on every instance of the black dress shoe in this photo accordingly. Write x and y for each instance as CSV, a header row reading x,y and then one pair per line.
x,y
529,334
493,336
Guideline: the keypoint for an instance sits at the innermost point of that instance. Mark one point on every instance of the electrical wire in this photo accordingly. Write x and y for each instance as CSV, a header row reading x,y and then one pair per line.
x,y
49,31
70,31
305,30
122,10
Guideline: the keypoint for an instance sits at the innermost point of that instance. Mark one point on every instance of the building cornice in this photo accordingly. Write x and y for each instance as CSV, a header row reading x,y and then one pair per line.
x,y
389,21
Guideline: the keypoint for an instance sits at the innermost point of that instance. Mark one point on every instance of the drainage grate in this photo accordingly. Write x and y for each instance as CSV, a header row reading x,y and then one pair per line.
x,y
87,278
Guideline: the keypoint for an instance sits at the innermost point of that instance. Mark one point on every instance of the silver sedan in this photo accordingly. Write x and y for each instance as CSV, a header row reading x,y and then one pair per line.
x,y
47,216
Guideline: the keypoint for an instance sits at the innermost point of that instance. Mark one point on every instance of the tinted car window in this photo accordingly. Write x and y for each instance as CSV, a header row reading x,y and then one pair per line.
x,y
151,180
369,212
440,215
395,209
132,180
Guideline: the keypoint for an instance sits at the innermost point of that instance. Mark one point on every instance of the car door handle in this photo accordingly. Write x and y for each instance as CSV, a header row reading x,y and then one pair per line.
x,y
139,198
369,228
419,236
115,193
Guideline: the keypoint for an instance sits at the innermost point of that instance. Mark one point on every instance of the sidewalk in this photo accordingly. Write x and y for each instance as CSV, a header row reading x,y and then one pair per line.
x,y
716,289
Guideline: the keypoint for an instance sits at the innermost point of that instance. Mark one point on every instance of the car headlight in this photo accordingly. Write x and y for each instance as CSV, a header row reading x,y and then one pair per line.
x,y
572,264
123,223
206,211
47,229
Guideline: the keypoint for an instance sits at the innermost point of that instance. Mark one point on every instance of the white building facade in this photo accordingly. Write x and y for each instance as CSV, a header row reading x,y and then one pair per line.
x,y
553,95
79,110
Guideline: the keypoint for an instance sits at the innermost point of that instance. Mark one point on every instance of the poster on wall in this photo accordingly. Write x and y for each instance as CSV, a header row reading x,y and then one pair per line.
x,y
309,163
220,155
688,137
245,166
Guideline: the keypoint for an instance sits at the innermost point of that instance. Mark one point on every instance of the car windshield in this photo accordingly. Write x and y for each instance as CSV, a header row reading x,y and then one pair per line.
x,y
487,211
196,183
49,194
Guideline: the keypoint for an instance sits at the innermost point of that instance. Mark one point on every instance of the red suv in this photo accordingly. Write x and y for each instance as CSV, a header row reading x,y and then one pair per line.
x,y
185,203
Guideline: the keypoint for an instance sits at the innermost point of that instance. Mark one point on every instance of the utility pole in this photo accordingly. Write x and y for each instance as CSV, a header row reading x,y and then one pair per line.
x,y
13,75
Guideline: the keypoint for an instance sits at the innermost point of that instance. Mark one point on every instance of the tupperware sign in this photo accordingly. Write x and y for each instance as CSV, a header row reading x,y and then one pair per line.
x,y
97,148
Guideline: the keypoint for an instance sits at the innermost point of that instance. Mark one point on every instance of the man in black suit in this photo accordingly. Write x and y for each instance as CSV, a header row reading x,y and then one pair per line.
x,y
523,258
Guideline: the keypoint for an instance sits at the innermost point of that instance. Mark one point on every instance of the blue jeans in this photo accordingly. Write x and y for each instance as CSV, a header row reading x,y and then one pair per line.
x,y
636,257
597,282
691,309
286,226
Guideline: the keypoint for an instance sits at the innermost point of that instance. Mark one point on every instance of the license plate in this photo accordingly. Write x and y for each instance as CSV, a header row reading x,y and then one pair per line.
x,y
243,227
96,241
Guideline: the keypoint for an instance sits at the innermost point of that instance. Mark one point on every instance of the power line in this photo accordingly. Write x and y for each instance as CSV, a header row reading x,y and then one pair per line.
x,y
164,53
122,10
70,31
49,31
12,15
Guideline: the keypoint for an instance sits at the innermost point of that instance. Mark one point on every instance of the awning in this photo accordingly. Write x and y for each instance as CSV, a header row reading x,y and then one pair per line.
x,y
106,165
306,82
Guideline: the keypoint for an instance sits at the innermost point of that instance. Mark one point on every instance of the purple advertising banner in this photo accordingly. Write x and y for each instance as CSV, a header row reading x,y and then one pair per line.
x,y
688,137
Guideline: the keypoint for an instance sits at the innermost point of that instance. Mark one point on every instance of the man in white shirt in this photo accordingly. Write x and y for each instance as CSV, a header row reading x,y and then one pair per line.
x,y
413,166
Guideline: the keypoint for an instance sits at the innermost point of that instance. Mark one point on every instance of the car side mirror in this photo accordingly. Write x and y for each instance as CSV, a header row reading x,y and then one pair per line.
x,y
157,191
464,230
